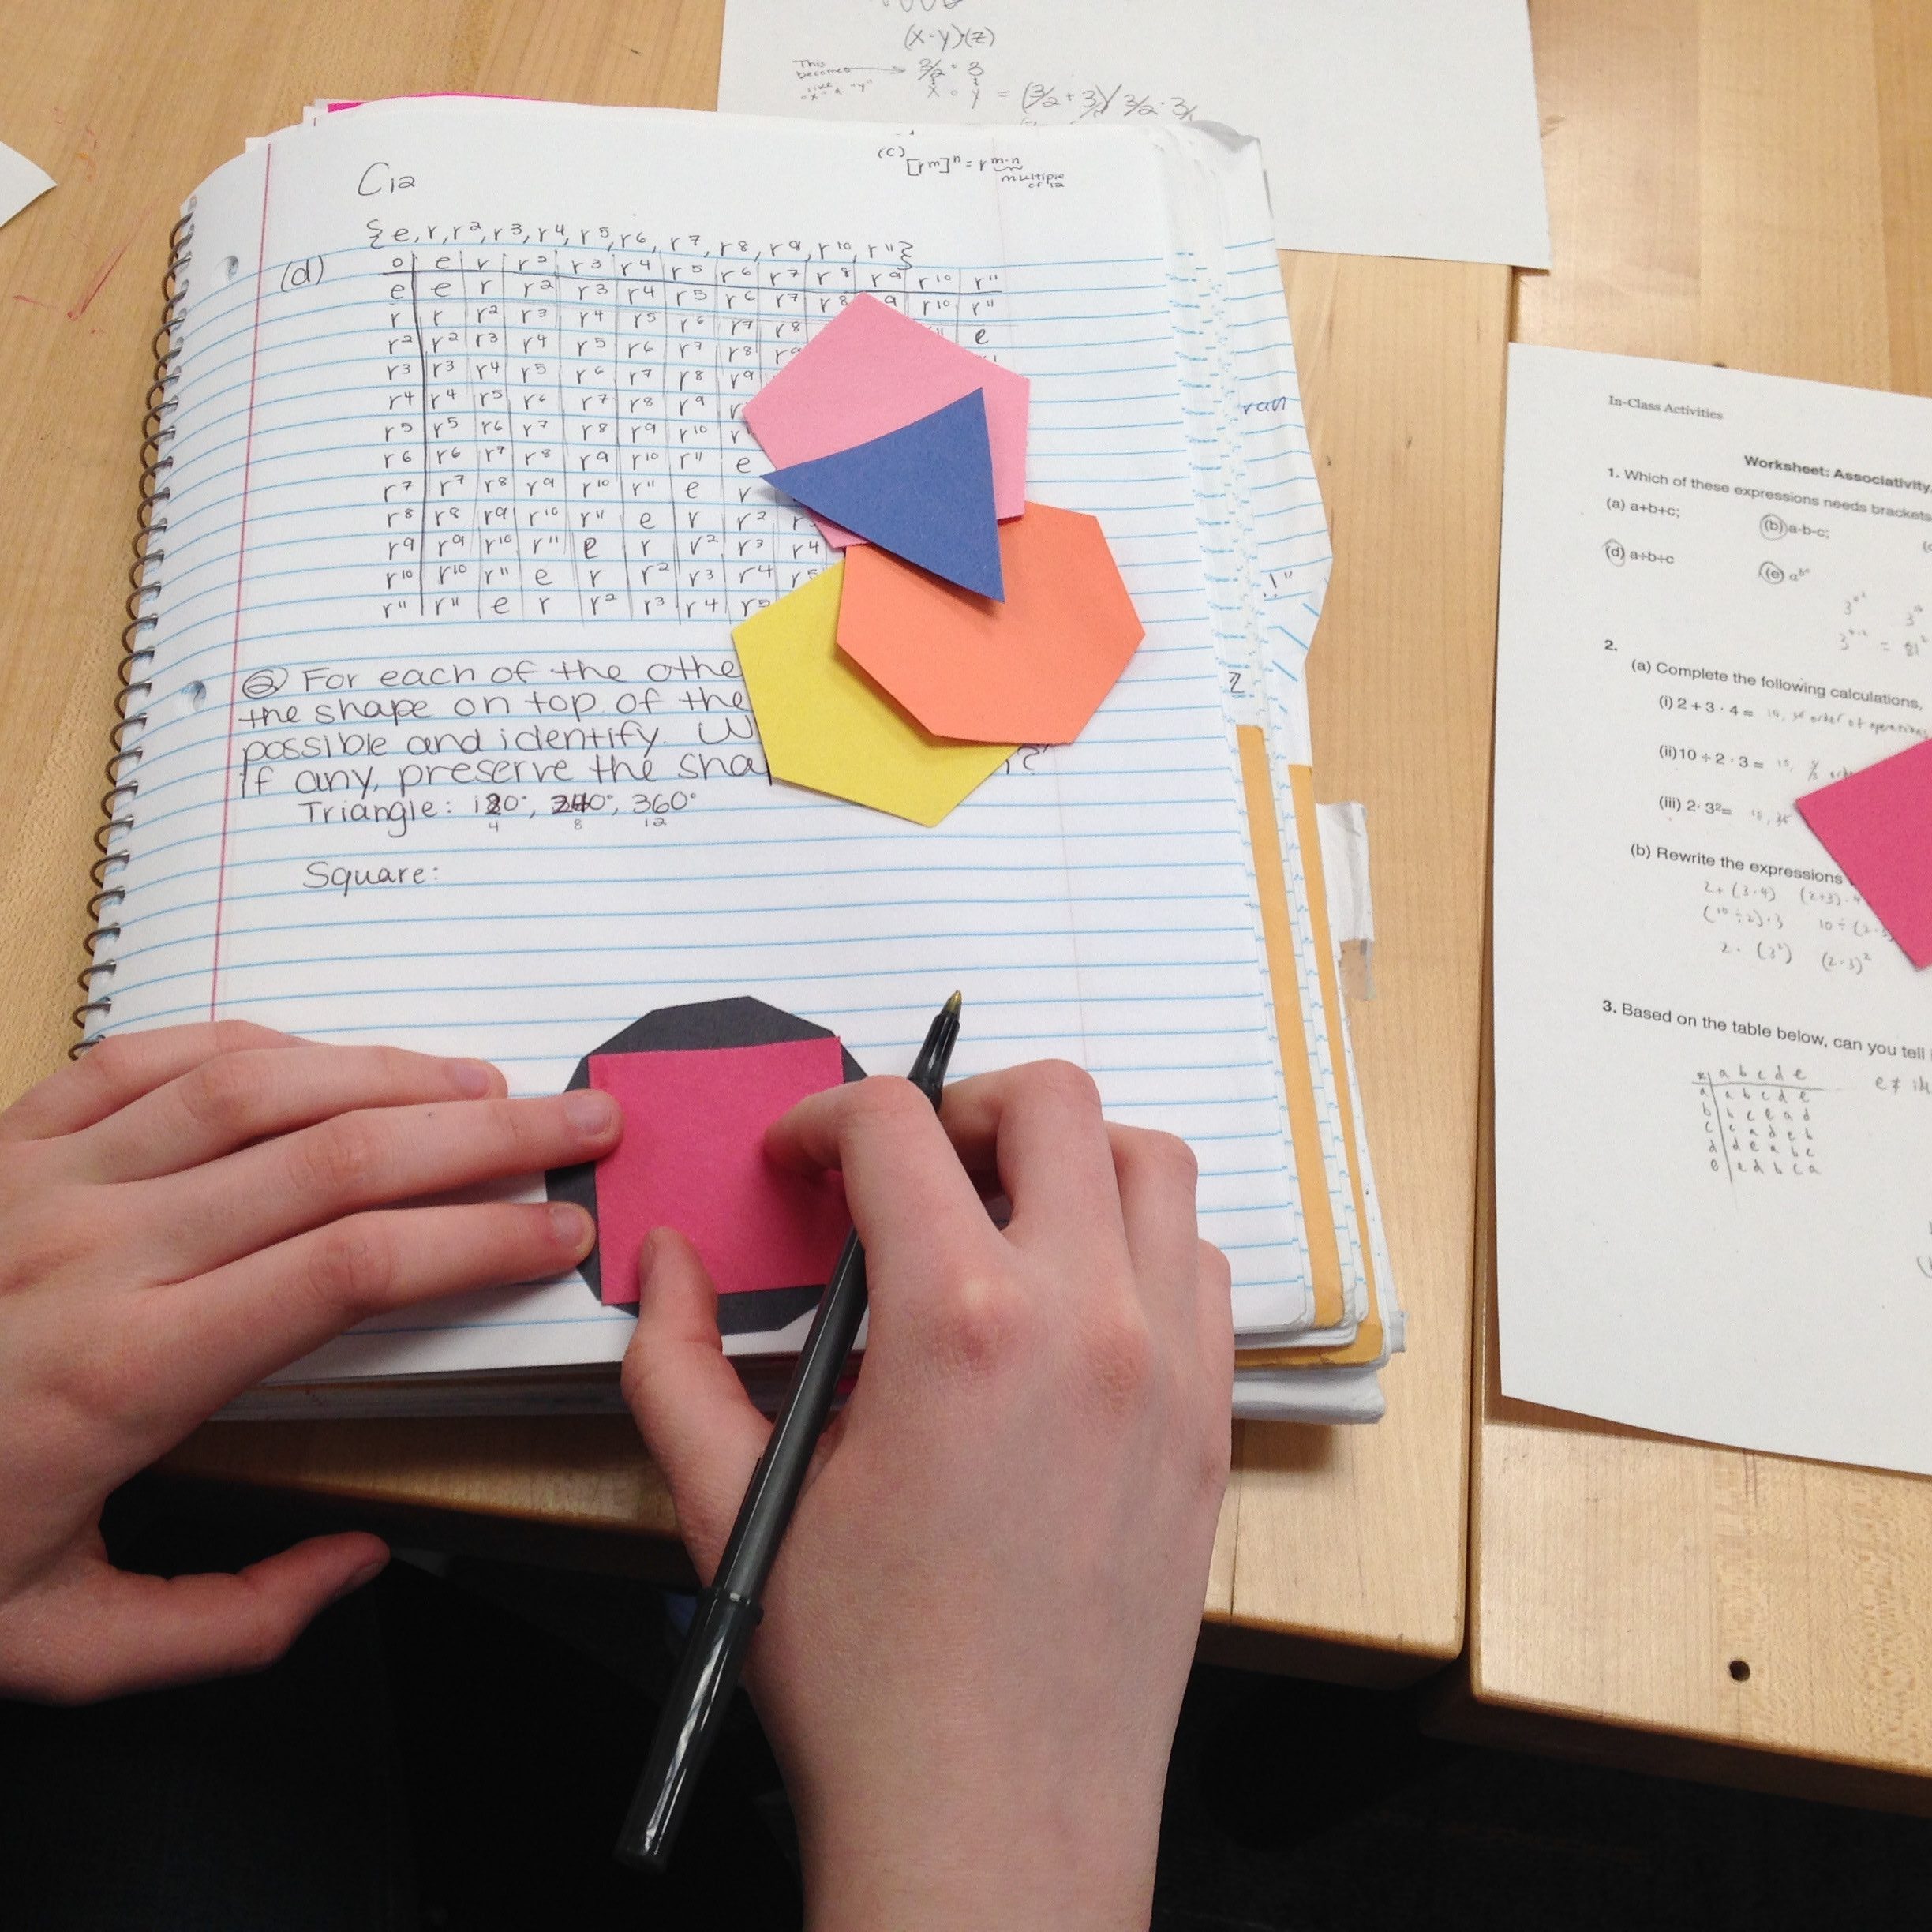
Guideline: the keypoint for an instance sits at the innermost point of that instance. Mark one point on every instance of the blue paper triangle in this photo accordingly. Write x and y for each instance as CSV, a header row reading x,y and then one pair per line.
x,y
924,493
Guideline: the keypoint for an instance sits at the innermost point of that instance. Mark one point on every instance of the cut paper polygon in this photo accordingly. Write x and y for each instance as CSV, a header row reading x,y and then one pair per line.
x,y
699,1033
1031,671
825,724
870,370
692,1158
924,493
1877,825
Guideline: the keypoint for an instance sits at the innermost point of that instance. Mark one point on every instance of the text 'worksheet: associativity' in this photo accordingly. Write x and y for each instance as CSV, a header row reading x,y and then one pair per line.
x,y
1713,1089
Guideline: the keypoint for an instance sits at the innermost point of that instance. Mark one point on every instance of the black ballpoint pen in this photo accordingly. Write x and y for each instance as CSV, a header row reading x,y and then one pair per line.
x,y
728,1610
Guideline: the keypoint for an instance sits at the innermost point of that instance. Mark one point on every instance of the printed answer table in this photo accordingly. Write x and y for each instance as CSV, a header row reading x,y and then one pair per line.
x,y
1342,1550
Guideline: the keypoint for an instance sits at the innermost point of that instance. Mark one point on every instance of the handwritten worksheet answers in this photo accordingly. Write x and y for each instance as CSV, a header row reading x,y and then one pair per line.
x,y
1390,129
1713,1066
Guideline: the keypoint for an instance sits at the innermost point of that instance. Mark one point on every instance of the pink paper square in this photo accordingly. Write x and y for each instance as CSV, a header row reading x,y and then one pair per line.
x,y
871,370
1877,824
692,1158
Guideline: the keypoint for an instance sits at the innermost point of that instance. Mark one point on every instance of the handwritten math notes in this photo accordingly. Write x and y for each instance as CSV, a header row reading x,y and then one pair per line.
x,y
1390,129
1713,1065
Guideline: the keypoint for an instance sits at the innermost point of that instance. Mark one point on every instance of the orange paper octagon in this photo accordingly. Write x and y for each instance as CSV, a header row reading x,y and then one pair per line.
x,y
1030,671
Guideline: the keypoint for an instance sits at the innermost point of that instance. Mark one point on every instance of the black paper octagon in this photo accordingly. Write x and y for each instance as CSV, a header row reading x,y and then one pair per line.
x,y
685,1029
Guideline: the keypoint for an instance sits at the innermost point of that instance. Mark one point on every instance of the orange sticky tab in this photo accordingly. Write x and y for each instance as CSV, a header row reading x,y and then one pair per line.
x,y
1031,670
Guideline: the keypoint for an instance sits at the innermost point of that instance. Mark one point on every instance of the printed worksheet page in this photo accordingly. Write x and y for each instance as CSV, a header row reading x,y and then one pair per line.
x,y
1713,1095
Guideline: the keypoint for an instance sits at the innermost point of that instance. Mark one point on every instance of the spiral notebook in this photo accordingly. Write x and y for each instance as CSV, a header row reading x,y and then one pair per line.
x,y
433,730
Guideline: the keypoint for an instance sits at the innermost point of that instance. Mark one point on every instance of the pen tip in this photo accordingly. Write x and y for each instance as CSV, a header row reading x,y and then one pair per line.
x,y
953,1005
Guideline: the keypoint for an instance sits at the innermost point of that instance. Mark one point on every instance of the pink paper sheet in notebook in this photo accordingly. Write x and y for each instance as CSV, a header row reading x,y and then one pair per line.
x,y
692,1158
1877,824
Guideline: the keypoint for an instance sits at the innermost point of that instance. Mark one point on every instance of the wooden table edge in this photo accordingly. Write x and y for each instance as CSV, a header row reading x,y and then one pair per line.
x,y
1460,1711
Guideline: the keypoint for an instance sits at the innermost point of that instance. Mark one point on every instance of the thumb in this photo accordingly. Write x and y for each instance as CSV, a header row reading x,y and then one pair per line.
x,y
104,1631
700,1426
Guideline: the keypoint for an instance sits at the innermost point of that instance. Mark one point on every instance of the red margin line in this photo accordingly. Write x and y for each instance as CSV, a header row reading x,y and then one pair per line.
x,y
235,651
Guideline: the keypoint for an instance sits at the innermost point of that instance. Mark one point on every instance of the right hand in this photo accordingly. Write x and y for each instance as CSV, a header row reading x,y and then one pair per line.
x,y
978,1632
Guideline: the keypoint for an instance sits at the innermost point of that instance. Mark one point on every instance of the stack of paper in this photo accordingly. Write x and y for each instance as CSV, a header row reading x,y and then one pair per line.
x,y
446,739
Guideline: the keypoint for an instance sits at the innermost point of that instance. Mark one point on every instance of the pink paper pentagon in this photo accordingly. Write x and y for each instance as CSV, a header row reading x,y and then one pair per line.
x,y
871,370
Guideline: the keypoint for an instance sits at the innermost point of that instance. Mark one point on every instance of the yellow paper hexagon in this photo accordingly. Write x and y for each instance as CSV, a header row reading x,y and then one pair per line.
x,y
827,726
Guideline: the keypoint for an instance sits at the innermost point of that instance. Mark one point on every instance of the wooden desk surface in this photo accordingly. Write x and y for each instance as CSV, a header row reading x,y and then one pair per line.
x,y
1751,184
1342,1538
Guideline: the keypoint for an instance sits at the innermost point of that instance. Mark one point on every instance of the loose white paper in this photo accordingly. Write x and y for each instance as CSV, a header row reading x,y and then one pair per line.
x,y
1713,1086
1390,129
20,182
1345,860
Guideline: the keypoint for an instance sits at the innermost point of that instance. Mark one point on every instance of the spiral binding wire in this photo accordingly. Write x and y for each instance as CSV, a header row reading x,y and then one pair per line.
x,y
116,803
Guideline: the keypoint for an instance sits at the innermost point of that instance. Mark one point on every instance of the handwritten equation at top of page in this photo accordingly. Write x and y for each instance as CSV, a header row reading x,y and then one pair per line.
x,y
1713,1065
1389,129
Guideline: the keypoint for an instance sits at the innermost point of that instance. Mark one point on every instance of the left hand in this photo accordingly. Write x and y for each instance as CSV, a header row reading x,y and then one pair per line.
x,y
181,1213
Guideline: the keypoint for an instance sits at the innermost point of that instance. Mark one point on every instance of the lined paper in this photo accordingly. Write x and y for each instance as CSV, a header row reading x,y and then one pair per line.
x,y
1265,543
446,740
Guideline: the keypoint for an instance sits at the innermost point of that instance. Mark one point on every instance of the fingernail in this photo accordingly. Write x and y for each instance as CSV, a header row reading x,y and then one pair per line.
x,y
368,1573
647,1257
473,1077
590,1112
571,1228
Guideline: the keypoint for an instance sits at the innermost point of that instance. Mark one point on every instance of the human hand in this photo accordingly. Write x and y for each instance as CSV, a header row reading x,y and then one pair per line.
x,y
182,1212
978,1632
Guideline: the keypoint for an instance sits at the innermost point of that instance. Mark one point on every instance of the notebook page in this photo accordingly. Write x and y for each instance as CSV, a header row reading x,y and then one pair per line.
x,y
1287,558
1264,533
1263,529
404,778
1265,542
